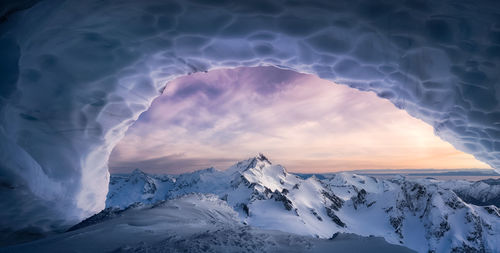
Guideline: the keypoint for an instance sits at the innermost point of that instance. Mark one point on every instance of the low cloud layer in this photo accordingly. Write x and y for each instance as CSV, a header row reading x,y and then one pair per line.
x,y
305,123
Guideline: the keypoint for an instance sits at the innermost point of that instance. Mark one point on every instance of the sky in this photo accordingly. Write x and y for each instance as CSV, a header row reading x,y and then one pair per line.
x,y
300,121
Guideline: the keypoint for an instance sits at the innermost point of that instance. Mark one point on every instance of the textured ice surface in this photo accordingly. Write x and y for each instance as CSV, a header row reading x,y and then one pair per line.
x,y
75,75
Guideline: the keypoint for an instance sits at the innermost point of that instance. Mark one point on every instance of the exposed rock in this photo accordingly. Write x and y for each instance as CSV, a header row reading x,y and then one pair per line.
x,y
336,202
285,191
359,199
397,224
330,212
316,215
278,196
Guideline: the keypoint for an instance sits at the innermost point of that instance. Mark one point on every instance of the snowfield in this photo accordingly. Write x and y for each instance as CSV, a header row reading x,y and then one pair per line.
x,y
257,206
192,223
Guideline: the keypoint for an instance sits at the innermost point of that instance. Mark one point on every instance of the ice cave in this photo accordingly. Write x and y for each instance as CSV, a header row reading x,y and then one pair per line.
x,y
76,74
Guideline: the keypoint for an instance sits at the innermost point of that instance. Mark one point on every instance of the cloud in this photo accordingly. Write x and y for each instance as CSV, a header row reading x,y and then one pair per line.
x,y
170,164
298,120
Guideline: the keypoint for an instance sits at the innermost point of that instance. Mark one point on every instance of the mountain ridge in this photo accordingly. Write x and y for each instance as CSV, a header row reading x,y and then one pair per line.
x,y
421,214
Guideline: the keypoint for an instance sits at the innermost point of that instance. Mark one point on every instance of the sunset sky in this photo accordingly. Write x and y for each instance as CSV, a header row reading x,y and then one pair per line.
x,y
300,121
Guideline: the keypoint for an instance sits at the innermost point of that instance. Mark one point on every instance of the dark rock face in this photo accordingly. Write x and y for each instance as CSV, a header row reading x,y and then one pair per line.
x,y
316,215
245,208
336,202
444,227
397,224
331,213
287,203
454,203
359,199
493,210
241,180
285,191
464,248
475,236
263,158
332,204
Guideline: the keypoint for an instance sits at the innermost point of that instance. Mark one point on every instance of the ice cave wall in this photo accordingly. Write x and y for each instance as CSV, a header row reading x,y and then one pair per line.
x,y
75,74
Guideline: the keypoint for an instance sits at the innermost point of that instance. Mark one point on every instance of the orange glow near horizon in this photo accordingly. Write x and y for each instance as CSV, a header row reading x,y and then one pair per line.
x,y
307,125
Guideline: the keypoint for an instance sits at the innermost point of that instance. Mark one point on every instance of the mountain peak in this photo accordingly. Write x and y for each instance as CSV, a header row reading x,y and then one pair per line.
x,y
258,161
261,157
259,170
137,171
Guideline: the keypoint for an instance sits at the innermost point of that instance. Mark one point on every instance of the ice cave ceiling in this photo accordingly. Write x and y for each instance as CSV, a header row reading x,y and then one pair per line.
x,y
75,75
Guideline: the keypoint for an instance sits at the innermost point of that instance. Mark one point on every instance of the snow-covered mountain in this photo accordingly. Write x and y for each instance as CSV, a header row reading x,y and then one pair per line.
x,y
422,214
482,193
138,187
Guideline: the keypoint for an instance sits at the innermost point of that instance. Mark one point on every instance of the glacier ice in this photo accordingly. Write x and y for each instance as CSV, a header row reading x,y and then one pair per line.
x,y
76,74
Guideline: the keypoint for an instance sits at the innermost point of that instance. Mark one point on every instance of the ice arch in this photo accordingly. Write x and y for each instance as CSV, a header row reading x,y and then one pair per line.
x,y
75,74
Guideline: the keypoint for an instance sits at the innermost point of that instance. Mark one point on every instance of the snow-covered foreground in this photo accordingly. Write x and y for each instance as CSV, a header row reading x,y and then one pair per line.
x,y
192,223
257,206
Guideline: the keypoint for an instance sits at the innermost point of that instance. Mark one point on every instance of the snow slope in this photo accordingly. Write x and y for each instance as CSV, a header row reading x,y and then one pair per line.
x,y
421,214
192,223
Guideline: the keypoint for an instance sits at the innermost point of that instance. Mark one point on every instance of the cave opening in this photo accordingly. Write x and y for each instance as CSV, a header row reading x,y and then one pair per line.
x,y
309,125
164,154
77,74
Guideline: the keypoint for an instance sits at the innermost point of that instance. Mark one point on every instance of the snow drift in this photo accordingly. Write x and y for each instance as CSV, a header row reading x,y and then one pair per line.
x,y
76,74
195,223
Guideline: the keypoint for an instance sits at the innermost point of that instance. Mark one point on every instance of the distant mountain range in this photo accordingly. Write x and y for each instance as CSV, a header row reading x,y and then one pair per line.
x,y
416,172
426,215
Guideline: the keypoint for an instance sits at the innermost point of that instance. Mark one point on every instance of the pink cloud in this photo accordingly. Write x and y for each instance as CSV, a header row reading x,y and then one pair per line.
x,y
300,121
